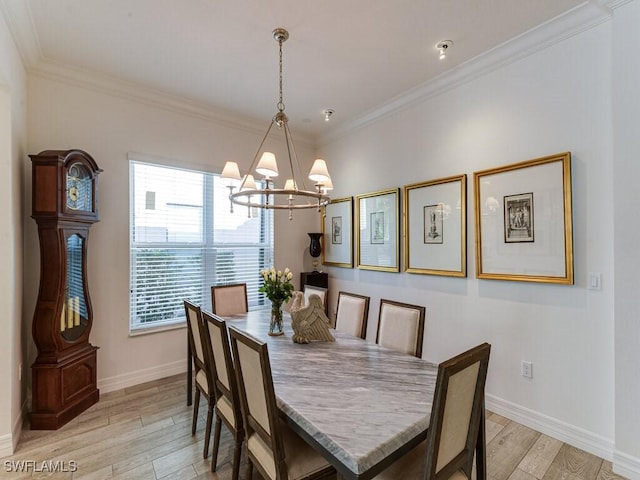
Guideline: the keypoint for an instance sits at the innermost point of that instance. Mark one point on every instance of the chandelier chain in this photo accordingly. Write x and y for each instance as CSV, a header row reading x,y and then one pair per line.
x,y
281,102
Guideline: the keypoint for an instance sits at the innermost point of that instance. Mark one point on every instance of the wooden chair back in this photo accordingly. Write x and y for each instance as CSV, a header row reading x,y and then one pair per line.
x,y
204,374
227,300
401,327
456,414
352,314
194,319
220,361
258,401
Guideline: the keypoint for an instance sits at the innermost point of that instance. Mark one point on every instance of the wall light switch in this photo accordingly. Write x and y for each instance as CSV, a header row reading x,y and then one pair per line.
x,y
595,281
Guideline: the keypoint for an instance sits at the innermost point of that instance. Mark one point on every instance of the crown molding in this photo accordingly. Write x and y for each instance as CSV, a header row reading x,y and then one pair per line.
x,y
583,17
19,20
79,77
130,91
613,4
577,20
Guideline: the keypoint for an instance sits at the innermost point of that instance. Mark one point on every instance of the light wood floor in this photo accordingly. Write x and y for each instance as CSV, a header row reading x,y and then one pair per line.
x,y
144,432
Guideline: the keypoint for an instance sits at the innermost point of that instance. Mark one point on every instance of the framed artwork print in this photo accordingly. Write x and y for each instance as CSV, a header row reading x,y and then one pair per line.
x,y
435,227
523,220
337,229
518,218
378,230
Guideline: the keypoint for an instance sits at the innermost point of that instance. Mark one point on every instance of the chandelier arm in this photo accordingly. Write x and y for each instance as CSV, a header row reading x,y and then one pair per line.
x,y
289,142
292,148
255,158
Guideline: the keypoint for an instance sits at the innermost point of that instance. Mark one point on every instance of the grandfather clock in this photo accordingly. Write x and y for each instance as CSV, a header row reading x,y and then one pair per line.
x,y
64,205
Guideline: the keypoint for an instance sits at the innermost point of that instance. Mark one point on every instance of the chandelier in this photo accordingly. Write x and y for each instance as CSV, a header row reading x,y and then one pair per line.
x,y
295,194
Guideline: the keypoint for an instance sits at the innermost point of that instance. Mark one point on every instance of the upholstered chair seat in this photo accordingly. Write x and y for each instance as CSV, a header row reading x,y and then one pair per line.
x,y
302,460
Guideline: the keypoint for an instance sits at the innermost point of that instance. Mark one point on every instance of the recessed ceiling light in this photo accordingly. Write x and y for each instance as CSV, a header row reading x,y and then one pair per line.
x,y
327,114
444,47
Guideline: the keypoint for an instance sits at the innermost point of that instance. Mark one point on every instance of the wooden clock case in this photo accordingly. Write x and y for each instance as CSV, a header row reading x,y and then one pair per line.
x,y
64,372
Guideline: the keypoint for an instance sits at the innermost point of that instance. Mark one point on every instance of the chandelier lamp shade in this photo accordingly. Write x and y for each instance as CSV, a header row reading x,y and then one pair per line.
x,y
294,195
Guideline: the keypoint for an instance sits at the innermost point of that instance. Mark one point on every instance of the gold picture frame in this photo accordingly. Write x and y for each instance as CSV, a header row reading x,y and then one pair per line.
x,y
378,230
337,230
523,221
435,227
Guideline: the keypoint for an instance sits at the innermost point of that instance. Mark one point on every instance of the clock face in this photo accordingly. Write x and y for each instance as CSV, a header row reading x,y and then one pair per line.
x,y
79,191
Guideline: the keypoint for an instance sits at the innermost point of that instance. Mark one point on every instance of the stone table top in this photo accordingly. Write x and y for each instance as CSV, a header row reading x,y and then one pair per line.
x,y
358,401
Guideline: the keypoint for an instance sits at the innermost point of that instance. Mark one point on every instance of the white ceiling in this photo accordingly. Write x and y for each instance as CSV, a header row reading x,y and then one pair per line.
x,y
348,55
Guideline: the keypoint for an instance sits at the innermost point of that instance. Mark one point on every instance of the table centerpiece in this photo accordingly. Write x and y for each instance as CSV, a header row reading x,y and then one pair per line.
x,y
278,289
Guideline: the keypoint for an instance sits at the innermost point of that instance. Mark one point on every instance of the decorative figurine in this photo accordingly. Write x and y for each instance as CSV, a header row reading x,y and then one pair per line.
x,y
309,322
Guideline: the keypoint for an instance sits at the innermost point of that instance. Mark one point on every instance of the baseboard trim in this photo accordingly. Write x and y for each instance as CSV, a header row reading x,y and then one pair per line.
x,y
626,465
141,376
570,434
6,445
9,442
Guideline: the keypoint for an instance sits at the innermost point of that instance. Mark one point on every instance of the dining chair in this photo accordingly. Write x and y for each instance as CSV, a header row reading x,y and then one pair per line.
x,y
275,450
352,314
457,415
220,363
320,291
401,327
227,300
203,378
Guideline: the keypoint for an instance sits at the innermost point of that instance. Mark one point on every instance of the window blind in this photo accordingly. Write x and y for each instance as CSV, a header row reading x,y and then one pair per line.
x,y
183,240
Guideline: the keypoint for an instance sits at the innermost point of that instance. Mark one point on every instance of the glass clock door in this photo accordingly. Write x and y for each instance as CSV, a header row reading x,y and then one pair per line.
x,y
74,316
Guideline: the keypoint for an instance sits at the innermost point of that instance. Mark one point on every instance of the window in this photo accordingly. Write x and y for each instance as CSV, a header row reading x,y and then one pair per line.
x,y
183,240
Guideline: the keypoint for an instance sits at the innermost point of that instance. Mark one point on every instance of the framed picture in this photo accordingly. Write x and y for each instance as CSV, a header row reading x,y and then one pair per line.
x,y
518,218
337,229
523,220
433,219
378,230
435,227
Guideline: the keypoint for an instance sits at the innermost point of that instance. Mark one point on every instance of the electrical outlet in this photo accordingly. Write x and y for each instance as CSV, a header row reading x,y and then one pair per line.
x,y
526,369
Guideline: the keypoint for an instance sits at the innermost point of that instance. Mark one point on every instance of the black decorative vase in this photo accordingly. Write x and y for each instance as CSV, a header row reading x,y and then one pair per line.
x,y
315,248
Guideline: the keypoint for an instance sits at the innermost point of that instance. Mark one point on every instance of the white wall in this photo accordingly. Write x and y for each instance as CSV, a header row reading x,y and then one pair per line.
x,y
555,100
63,116
12,143
626,79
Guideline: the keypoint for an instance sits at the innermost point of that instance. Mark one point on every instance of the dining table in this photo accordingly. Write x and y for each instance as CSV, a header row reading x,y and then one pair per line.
x,y
360,405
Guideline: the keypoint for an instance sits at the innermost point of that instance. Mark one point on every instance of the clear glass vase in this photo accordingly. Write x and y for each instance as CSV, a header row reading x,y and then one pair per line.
x,y
276,327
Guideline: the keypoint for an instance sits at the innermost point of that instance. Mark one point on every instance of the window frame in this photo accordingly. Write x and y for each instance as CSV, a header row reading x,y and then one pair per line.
x,y
208,249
